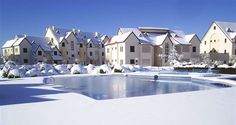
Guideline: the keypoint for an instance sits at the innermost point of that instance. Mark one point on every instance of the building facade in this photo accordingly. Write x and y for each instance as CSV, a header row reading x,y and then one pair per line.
x,y
25,49
150,46
220,41
58,46
77,46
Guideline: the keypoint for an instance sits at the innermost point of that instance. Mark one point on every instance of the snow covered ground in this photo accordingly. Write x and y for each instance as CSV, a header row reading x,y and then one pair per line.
x,y
27,101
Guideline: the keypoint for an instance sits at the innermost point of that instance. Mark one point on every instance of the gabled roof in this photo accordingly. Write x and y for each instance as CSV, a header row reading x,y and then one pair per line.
x,y
229,28
189,37
179,37
127,30
119,38
153,40
61,33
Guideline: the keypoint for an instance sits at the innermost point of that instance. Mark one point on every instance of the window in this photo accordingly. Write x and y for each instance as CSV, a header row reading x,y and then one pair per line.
x,y
214,27
131,61
91,61
55,53
91,53
205,52
214,40
72,55
72,45
132,49
5,51
102,45
225,51
102,53
115,48
78,52
121,49
224,62
67,52
121,62
39,53
16,50
225,40
25,50
90,45
205,42
107,50
25,60
211,41
194,49
52,39
63,44
81,45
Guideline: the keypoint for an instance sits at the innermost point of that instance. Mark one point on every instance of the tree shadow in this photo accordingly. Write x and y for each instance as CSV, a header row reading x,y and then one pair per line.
x,y
23,93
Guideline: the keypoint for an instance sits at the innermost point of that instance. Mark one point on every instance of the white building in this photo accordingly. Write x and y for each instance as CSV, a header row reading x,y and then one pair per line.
x,y
145,45
27,50
220,41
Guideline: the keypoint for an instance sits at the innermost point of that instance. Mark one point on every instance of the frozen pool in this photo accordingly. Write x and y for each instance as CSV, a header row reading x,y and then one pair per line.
x,y
120,86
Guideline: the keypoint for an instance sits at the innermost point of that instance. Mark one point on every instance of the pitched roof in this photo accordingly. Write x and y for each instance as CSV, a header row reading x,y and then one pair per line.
x,y
134,30
119,38
229,28
189,37
179,37
9,43
153,40
39,42
61,33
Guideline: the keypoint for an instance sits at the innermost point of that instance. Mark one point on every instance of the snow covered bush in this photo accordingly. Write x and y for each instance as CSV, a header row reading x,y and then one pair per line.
x,y
14,73
101,69
62,69
69,66
76,69
90,68
45,66
118,69
52,72
33,72
9,65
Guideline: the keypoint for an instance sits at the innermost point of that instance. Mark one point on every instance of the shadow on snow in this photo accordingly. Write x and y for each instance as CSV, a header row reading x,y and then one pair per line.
x,y
23,93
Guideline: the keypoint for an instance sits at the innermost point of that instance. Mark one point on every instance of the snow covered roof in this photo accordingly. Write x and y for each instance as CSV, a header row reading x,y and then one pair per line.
x,y
179,37
189,37
39,42
229,28
134,30
61,33
119,38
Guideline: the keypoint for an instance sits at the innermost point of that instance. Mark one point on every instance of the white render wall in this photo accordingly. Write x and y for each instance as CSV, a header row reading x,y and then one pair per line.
x,y
218,43
195,42
132,40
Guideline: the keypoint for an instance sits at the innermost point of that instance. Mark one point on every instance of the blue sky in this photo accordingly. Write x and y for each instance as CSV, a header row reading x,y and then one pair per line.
x,y
106,16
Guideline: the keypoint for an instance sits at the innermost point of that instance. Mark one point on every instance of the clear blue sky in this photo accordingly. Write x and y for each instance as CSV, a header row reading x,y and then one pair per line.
x,y
106,16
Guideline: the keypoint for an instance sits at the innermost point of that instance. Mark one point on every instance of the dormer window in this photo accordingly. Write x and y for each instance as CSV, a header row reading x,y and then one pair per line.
x,y
63,44
81,45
